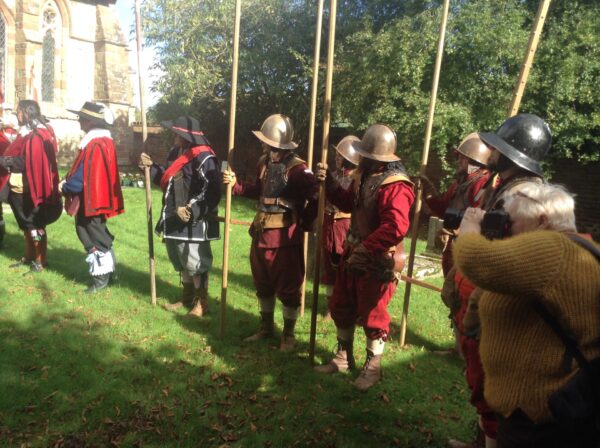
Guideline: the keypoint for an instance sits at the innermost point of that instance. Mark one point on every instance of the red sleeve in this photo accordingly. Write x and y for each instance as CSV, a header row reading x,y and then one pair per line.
x,y
394,202
438,204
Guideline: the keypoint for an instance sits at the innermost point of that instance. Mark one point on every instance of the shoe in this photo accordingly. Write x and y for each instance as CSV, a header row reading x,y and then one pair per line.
x,y
200,307
266,330
370,374
99,282
288,343
341,362
187,299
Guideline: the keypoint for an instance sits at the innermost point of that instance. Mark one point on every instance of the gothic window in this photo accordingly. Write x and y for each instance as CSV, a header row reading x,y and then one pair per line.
x,y
50,28
3,58
48,47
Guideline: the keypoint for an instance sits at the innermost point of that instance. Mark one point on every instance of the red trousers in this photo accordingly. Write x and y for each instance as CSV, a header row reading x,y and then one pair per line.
x,y
361,300
278,271
473,369
334,235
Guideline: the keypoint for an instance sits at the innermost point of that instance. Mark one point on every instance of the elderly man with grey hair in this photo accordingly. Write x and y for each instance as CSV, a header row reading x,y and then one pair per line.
x,y
541,274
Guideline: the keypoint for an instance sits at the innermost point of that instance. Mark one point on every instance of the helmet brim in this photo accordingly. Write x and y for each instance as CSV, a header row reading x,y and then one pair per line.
x,y
515,156
379,157
259,135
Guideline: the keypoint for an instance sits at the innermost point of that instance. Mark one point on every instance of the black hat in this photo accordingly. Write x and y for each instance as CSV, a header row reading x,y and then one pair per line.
x,y
96,112
188,128
525,139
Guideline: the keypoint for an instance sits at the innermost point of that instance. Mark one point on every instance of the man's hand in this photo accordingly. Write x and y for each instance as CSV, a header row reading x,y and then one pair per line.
x,y
145,160
229,177
321,173
359,261
471,222
60,185
184,213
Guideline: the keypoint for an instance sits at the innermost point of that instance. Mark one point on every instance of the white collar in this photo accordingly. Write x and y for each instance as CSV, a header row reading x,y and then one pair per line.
x,y
92,134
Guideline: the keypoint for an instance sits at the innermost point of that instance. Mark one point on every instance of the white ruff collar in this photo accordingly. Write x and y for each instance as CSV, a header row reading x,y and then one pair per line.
x,y
92,134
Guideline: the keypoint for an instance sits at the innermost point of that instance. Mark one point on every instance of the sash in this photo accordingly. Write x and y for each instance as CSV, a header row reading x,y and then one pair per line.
x,y
181,161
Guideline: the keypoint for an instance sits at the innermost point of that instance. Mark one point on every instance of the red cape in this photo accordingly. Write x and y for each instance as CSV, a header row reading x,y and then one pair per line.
x,y
101,185
39,151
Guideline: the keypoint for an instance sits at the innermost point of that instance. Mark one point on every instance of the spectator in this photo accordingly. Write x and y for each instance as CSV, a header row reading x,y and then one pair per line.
x,y
522,356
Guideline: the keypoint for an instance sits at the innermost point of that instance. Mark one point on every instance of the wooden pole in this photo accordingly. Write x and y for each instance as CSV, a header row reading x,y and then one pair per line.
x,y
325,145
232,106
147,181
424,158
311,125
534,38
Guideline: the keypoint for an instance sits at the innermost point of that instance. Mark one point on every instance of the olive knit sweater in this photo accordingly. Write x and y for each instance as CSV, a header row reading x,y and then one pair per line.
x,y
521,355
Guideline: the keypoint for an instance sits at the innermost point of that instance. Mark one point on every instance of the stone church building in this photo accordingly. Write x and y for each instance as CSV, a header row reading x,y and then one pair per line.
x,y
63,53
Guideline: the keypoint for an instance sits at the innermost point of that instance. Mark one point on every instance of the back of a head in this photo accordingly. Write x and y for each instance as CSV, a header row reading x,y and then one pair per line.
x,y
32,114
554,201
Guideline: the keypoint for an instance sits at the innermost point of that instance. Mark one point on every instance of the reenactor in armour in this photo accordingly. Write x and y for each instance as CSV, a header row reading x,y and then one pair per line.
x,y
287,193
520,144
472,175
379,198
336,222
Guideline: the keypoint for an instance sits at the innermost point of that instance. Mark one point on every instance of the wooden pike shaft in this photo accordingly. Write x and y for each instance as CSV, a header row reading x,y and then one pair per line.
x,y
325,145
232,107
424,159
534,39
147,181
311,125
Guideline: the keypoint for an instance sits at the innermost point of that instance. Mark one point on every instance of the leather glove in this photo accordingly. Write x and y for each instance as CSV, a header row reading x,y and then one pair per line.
x,y
321,173
360,260
184,213
229,177
145,160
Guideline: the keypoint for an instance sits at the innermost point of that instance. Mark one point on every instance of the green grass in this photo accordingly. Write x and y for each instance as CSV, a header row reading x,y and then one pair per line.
x,y
112,370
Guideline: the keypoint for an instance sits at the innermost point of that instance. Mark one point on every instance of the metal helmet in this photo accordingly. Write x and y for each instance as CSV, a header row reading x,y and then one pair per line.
x,y
472,147
346,149
277,131
378,143
525,139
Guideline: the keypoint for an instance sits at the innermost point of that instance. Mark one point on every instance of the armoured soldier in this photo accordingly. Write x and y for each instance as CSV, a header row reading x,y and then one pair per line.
x,y
466,190
521,143
191,193
283,186
336,222
379,197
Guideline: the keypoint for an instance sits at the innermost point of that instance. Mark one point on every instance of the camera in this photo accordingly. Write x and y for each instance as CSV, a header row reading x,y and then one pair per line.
x,y
452,218
495,224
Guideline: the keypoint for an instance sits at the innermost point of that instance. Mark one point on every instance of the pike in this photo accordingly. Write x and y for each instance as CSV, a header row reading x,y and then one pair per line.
x,y
325,145
424,159
147,182
231,142
311,125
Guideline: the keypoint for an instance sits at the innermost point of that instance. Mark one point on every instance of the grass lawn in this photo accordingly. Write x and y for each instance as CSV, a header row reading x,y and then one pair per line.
x,y
112,370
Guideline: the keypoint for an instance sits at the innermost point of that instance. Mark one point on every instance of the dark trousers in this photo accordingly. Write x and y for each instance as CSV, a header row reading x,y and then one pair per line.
x,y
518,431
29,217
93,233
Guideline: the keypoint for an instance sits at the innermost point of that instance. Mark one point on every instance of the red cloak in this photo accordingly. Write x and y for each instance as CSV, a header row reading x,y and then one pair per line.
x,y
101,184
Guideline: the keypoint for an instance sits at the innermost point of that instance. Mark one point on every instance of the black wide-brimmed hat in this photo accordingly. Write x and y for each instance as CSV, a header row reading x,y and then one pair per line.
x,y
188,128
96,112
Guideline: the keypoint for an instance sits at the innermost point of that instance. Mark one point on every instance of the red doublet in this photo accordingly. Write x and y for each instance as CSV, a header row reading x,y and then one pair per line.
x,y
363,299
276,257
101,185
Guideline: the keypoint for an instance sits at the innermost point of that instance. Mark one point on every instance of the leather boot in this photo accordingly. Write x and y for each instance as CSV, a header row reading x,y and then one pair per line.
x,y
99,282
29,252
288,340
342,361
266,330
371,372
187,298
200,307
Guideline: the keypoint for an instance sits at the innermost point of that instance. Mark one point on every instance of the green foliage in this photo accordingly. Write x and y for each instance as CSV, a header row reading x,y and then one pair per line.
x,y
112,370
385,53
